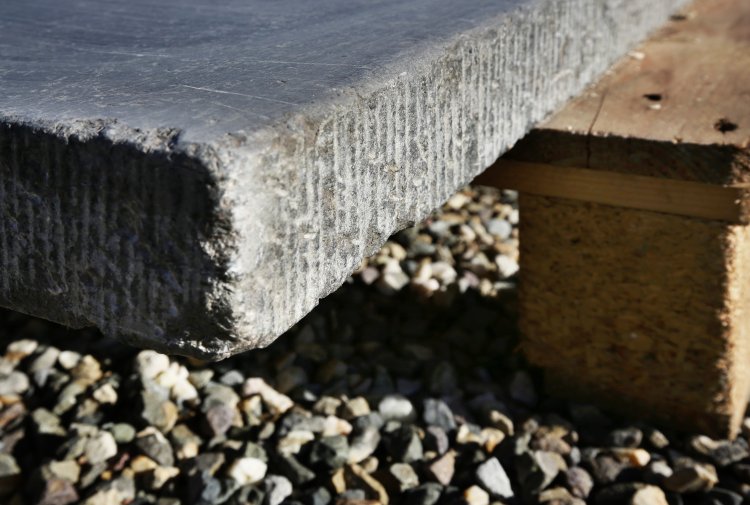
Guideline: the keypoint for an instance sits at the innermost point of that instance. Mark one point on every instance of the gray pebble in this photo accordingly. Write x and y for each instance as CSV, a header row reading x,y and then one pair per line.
x,y
437,413
277,489
396,408
492,477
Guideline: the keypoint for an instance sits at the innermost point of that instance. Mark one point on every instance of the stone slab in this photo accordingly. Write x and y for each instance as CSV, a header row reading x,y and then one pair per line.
x,y
194,177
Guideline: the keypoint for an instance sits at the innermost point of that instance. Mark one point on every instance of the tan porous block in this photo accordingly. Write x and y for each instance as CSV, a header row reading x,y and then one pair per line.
x,y
640,311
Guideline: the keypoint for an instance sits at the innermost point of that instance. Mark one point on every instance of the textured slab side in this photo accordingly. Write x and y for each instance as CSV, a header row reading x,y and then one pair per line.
x,y
195,178
640,311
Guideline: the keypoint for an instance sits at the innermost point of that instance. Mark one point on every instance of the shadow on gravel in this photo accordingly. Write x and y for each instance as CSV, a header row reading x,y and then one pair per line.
x,y
413,394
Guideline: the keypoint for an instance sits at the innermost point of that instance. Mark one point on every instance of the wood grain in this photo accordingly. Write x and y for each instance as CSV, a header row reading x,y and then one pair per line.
x,y
685,198
677,107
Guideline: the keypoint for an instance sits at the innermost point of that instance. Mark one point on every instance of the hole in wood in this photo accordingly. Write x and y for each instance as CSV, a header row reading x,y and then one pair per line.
x,y
678,17
724,125
654,97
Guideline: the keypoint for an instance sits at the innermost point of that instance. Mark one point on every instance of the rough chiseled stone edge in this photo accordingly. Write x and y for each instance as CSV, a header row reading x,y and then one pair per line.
x,y
292,210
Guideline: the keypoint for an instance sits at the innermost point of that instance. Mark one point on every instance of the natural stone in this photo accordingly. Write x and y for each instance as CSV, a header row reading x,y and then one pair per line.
x,y
692,478
278,488
492,477
330,452
405,475
579,482
442,469
475,495
247,470
275,401
396,408
10,474
100,447
437,413
649,495
153,444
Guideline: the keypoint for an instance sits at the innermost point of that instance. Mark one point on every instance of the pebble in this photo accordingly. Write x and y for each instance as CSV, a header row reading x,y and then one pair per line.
x,y
158,411
153,444
277,488
87,370
502,422
579,482
720,452
47,423
105,394
436,440
319,496
363,444
330,452
356,407
68,470
443,468
637,458
160,476
606,468
247,470
500,228
68,359
437,413
100,447
45,361
327,406
403,444
149,364
691,479
492,438
20,349
657,439
392,279
10,474
492,477
405,475
649,495
475,495
14,383
277,402
396,408
218,419
123,433
625,437
55,491
657,471
506,267
558,496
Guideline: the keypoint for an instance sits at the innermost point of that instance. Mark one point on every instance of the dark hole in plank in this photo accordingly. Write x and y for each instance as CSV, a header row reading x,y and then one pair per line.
x,y
724,125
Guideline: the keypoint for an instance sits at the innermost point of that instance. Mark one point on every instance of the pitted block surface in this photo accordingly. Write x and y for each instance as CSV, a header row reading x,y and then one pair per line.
x,y
194,177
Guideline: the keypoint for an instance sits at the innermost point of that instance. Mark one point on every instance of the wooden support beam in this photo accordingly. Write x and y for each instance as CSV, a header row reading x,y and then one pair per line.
x,y
634,234
684,198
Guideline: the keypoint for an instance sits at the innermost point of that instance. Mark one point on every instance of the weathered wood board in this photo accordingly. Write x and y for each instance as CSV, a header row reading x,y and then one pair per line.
x,y
635,247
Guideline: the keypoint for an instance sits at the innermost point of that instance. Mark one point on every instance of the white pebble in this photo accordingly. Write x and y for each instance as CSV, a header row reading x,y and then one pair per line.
x,y
248,470
149,364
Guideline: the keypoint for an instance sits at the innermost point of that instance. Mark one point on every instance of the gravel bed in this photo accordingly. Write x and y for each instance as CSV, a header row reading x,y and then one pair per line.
x,y
403,387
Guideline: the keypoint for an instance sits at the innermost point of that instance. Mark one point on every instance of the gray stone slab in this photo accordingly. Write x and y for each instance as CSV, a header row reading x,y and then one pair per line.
x,y
194,176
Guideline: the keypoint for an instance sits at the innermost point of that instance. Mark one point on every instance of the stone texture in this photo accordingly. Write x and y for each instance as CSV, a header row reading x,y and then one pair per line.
x,y
198,190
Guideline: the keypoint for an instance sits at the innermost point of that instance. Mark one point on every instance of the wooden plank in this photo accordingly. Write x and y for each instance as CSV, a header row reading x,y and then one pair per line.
x,y
677,107
685,198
